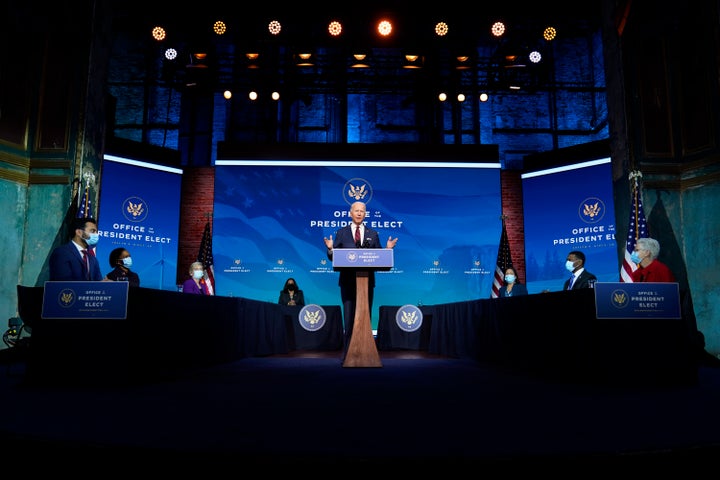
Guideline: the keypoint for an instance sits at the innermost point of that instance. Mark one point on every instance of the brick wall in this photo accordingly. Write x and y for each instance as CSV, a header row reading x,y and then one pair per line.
x,y
512,208
196,208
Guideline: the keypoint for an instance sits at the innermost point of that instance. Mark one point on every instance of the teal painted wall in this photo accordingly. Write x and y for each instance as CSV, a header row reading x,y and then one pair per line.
x,y
701,248
12,227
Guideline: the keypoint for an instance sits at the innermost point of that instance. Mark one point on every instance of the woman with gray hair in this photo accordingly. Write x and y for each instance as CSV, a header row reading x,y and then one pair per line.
x,y
650,269
196,283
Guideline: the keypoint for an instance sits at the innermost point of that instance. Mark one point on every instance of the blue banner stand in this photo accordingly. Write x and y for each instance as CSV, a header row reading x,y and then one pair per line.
x,y
72,300
637,300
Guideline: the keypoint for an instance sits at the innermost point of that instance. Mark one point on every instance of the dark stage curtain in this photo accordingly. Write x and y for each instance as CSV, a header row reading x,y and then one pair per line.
x,y
329,337
556,333
391,337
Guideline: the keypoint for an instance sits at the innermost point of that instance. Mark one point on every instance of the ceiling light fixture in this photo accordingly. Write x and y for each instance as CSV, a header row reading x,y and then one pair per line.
x,y
335,28
158,33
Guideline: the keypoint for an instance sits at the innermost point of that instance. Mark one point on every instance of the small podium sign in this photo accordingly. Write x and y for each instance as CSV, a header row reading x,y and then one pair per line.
x,y
363,258
637,300
85,300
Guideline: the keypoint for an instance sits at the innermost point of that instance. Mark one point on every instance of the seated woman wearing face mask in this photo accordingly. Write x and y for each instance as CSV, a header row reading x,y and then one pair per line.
x,y
512,286
291,294
196,283
121,261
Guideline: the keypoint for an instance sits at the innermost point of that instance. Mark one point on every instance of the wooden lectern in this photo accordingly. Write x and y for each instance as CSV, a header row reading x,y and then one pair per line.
x,y
362,351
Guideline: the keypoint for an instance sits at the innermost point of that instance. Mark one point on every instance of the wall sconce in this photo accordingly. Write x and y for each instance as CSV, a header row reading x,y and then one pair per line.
x,y
197,60
412,61
304,60
252,59
462,62
359,61
514,61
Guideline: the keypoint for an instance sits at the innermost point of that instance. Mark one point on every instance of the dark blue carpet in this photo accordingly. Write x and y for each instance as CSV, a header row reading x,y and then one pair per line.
x,y
416,412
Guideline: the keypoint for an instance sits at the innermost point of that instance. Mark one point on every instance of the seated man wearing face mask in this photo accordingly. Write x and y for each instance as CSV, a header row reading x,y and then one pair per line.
x,y
75,260
579,277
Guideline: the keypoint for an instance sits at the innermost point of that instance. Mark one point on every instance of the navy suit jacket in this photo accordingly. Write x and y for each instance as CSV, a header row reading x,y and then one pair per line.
x,y
344,238
582,281
284,297
66,264
517,290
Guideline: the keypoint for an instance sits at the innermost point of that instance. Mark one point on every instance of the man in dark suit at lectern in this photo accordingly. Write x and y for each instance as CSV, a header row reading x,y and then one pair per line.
x,y
75,260
354,235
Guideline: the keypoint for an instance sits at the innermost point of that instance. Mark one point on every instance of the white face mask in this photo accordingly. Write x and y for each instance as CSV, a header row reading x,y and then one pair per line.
x,y
197,274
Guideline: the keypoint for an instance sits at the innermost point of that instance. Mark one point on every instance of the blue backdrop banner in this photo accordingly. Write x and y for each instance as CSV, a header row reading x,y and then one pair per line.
x,y
565,209
270,218
139,210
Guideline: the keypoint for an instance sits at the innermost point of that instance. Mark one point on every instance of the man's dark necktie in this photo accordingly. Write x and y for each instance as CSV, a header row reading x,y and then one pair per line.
x,y
357,236
86,263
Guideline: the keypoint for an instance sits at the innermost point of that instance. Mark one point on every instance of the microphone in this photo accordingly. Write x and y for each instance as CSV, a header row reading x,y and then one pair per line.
x,y
367,243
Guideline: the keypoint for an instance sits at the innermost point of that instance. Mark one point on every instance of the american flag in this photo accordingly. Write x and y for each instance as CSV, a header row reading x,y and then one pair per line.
x,y
84,210
637,228
206,257
504,260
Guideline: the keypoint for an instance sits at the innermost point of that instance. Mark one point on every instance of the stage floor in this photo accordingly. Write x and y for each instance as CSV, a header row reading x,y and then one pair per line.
x,y
304,409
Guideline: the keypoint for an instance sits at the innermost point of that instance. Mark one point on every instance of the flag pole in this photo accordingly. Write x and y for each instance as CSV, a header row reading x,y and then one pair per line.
x,y
637,227
205,256
504,260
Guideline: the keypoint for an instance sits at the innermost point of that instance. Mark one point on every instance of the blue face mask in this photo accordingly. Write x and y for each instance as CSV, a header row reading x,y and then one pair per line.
x,y
198,274
127,262
509,278
569,266
92,239
635,257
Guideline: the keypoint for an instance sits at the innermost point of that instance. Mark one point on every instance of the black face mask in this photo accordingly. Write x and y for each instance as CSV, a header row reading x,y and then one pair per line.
x,y
292,288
